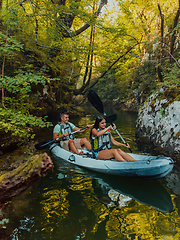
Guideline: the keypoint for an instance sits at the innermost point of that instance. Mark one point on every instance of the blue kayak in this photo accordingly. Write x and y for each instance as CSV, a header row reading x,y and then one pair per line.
x,y
150,167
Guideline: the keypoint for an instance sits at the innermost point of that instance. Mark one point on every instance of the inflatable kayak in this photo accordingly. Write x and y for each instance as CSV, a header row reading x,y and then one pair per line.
x,y
150,167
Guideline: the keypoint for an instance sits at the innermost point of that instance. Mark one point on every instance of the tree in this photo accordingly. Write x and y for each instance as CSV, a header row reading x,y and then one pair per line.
x,y
18,101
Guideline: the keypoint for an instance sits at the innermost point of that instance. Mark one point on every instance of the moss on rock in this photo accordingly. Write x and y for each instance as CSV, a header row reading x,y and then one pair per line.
x,y
17,180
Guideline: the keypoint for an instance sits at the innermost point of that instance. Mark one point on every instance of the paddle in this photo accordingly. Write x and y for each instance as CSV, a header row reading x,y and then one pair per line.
x,y
110,119
46,144
97,103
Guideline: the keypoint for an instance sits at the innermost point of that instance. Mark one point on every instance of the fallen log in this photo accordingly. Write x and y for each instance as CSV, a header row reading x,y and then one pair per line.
x,y
19,179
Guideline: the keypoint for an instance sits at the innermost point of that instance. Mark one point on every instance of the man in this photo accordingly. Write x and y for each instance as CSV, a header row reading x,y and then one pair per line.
x,y
65,128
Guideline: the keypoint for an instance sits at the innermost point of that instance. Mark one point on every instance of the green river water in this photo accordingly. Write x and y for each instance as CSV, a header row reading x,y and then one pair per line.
x,y
71,203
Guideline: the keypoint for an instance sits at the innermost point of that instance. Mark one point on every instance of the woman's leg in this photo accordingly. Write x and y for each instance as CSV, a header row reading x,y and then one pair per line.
x,y
110,153
126,156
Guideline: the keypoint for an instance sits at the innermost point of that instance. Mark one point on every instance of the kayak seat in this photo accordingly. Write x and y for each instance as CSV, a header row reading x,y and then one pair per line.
x,y
89,155
93,154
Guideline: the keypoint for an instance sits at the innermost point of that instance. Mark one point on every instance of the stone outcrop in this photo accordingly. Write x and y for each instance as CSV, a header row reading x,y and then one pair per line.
x,y
159,122
14,182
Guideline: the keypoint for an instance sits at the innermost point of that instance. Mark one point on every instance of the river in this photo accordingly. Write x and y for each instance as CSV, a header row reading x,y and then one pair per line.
x,y
71,203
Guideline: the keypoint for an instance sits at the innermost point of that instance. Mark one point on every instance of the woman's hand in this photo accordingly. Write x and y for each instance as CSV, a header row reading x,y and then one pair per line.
x,y
113,127
127,145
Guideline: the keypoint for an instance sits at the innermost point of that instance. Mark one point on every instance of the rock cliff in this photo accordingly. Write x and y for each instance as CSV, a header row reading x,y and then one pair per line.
x,y
159,122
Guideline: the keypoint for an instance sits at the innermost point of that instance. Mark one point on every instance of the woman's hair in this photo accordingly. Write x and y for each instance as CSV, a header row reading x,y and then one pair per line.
x,y
96,124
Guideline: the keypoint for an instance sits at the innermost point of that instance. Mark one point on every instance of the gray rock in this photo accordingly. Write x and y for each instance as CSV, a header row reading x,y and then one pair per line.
x,y
159,122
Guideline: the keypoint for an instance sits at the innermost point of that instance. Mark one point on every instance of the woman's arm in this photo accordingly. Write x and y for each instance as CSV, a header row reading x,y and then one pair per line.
x,y
95,132
116,143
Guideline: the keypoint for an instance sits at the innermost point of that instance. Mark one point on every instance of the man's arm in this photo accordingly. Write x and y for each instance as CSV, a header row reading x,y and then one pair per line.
x,y
76,128
56,133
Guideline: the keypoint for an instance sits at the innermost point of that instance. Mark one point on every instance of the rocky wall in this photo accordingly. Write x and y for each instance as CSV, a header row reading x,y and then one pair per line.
x,y
159,122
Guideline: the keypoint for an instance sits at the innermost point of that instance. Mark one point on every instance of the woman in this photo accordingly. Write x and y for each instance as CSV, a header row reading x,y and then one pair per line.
x,y
101,140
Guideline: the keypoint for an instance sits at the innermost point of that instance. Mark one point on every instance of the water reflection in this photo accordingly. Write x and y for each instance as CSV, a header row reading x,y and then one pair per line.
x,y
150,193
123,215
122,189
71,203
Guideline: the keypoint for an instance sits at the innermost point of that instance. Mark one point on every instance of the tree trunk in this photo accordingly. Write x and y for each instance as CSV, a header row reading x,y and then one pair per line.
x,y
174,33
162,32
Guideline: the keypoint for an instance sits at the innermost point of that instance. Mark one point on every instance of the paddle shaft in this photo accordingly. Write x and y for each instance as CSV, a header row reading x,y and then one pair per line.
x,y
123,140
72,132
43,145
119,135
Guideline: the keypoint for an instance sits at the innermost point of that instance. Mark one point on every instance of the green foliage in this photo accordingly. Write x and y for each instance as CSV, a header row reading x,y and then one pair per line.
x,y
164,112
19,88
11,47
143,80
20,124
109,82
15,118
21,83
171,77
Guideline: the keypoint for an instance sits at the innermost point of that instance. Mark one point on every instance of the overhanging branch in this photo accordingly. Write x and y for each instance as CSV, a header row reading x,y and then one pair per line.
x,y
97,80
96,14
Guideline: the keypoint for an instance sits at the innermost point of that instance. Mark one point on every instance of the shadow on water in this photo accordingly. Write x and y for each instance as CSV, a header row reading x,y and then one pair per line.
x,y
151,193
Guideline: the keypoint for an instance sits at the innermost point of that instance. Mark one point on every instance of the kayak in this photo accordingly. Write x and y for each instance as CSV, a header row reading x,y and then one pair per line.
x,y
149,167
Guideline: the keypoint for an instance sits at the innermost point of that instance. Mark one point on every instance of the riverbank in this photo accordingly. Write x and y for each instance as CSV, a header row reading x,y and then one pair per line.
x,y
21,168
16,157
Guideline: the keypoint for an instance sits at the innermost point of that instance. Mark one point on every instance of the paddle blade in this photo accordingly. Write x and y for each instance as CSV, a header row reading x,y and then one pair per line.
x,y
43,145
110,119
95,101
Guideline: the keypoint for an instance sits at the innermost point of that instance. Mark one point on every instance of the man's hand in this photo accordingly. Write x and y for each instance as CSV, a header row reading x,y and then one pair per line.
x,y
66,134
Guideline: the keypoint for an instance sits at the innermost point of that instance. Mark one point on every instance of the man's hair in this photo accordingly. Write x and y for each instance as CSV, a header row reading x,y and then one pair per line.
x,y
63,113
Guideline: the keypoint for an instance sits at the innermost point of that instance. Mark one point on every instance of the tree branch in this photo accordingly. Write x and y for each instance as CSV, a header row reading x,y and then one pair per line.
x,y
96,14
3,65
162,32
97,80
174,32
168,51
